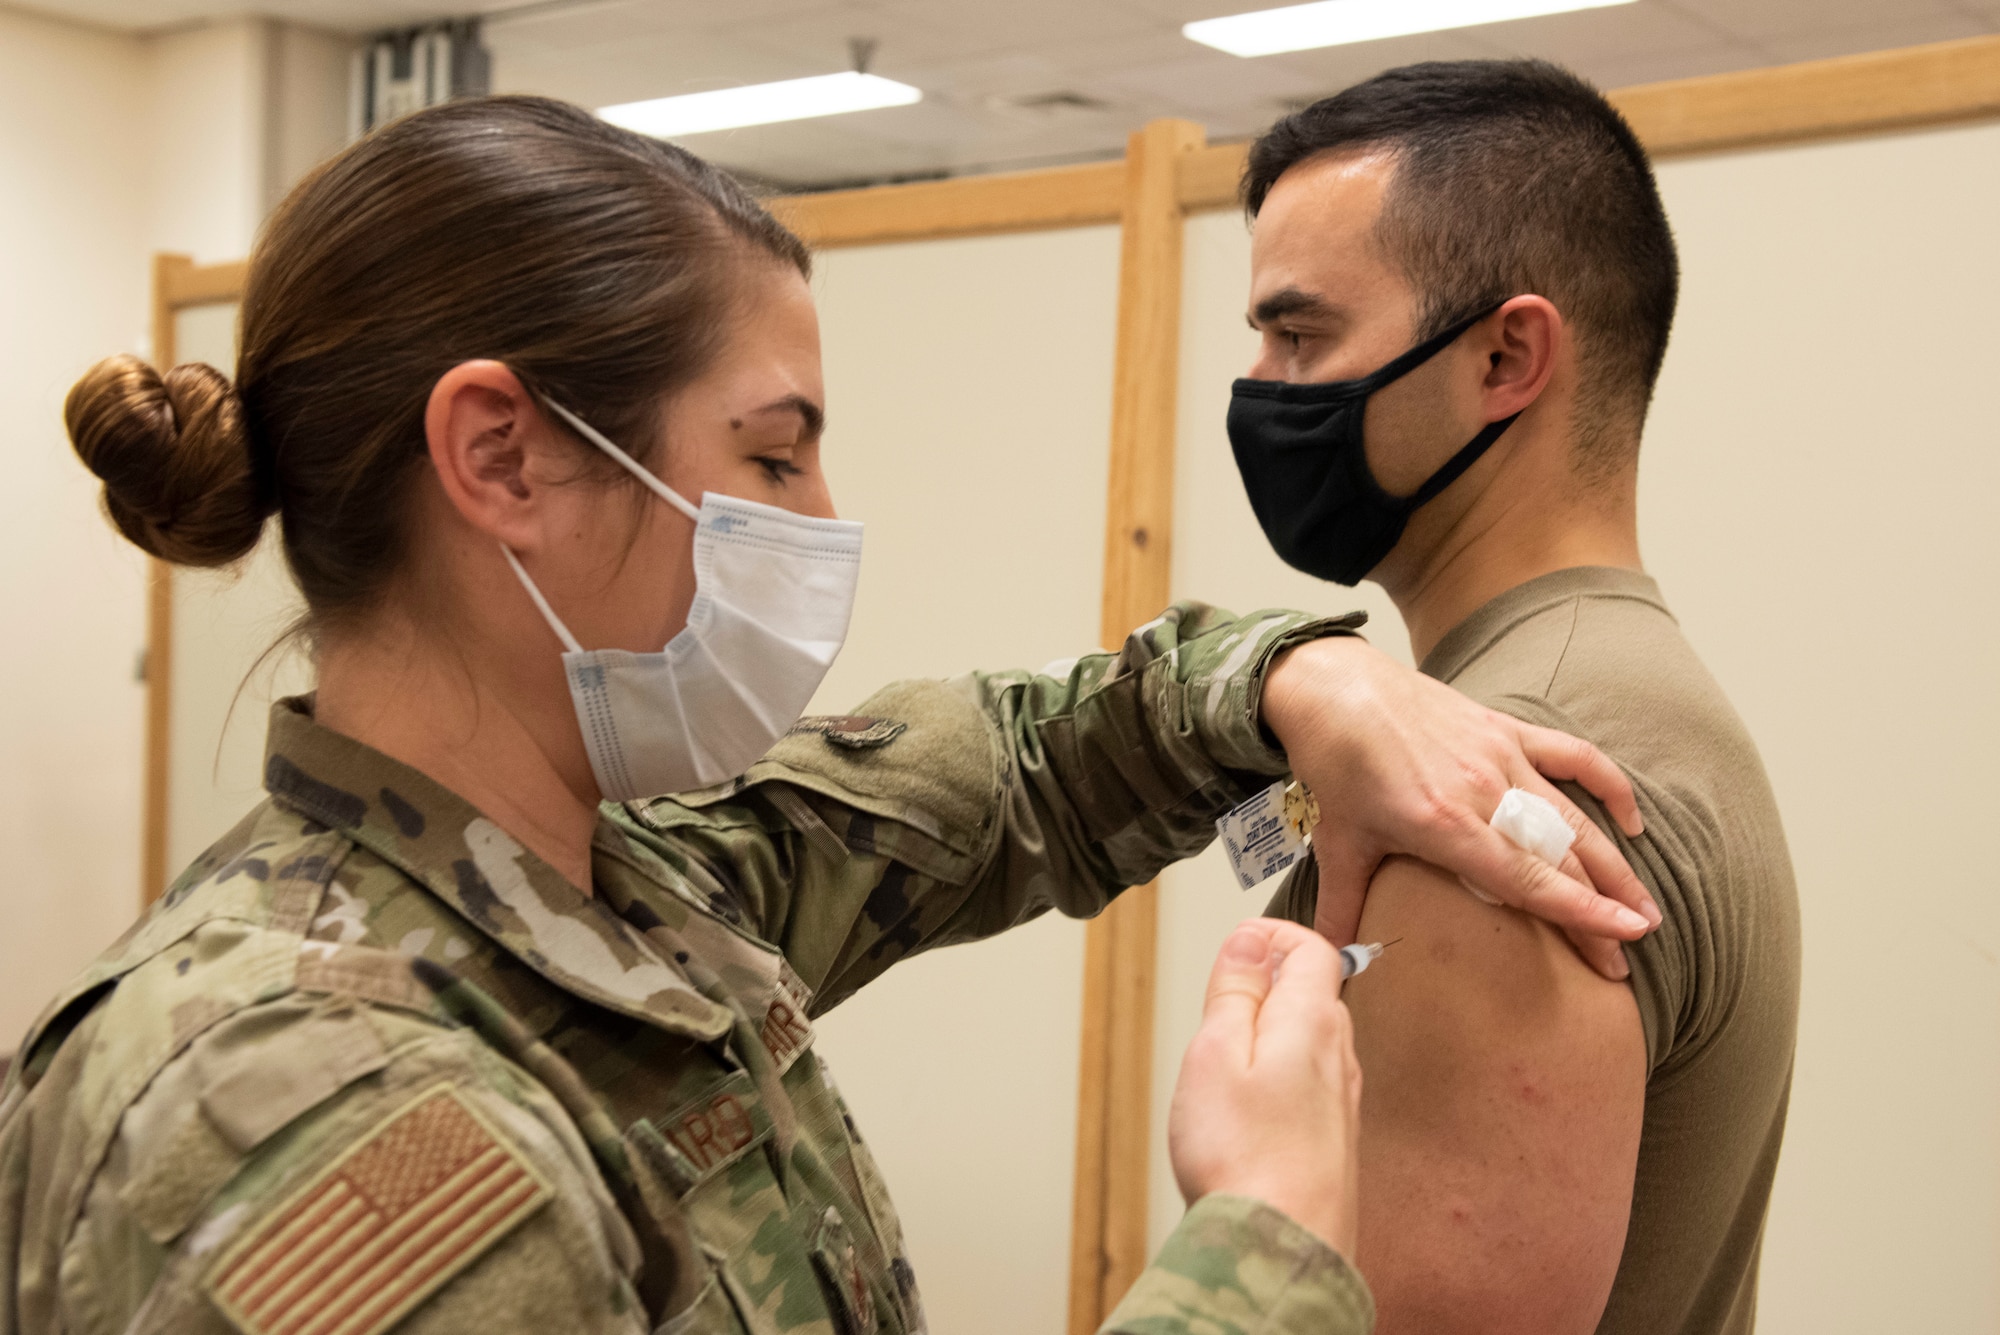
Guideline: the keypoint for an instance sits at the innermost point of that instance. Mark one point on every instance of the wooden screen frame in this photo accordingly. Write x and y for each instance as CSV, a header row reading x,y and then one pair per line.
x,y
1167,173
178,284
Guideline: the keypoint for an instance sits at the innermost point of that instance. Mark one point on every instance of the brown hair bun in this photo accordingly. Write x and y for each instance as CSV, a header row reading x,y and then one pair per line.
x,y
174,455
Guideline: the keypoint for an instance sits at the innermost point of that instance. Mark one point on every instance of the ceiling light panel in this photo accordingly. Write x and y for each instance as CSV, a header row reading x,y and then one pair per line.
x,y
760,104
1267,32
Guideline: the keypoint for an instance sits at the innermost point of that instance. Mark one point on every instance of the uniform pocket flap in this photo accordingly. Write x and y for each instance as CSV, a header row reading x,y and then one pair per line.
x,y
269,1066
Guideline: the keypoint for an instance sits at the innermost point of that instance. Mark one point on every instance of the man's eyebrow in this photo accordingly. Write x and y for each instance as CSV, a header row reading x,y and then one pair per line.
x,y
811,414
1288,301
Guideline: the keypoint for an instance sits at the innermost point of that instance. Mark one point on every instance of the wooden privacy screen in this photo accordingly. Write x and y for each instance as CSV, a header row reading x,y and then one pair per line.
x,y
178,283
1168,172
1821,99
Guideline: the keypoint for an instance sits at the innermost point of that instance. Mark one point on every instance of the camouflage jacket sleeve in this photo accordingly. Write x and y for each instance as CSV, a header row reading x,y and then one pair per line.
x,y
1236,1266
308,1162
949,811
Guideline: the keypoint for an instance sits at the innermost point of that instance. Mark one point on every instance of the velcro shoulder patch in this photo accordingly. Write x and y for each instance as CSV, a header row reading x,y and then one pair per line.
x,y
942,777
932,800
381,1228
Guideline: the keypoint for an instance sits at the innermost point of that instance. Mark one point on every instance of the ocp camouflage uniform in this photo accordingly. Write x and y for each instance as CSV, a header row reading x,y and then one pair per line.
x,y
371,1064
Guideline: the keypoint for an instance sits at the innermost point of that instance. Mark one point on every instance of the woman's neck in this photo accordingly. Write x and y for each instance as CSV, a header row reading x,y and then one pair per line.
x,y
495,743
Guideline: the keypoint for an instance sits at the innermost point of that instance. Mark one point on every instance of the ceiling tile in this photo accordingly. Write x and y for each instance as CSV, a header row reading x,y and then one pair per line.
x,y
1210,82
1174,13
1142,46
817,39
1599,34
1905,30
976,59
1026,25
983,76
1759,19
1332,68
594,24
150,15
601,75
1654,67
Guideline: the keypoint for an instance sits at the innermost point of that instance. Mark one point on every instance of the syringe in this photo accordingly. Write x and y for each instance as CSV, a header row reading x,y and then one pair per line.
x,y
1356,958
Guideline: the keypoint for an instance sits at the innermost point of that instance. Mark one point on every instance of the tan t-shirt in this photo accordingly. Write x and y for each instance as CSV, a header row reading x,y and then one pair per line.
x,y
1594,651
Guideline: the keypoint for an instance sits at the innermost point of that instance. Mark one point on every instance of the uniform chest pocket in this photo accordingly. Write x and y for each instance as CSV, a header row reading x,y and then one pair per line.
x,y
711,1313
785,1284
711,1151
780,1267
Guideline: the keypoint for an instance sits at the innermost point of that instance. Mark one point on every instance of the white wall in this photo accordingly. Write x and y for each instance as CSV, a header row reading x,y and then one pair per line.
x,y
239,110
73,288
112,146
231,659
205,123
1816,500
1220,556
969,402
305,101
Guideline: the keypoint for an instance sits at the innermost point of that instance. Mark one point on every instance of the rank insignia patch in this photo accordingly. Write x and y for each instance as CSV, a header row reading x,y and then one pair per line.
x,y
381,1228
850,732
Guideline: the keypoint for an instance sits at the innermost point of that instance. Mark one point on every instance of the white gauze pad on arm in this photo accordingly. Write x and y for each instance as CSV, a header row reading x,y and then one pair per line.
x,y
1533,823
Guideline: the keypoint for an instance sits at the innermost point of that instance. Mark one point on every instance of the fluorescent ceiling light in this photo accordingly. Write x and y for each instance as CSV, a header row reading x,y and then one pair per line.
x,y
1336,22
761,104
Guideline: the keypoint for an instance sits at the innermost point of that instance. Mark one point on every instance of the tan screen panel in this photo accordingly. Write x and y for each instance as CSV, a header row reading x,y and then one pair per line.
x,y
1220,556
1819,479
1816,498
969,393
224,622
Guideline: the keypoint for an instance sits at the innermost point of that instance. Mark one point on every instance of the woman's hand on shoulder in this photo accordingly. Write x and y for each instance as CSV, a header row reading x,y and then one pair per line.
x,y
1402,764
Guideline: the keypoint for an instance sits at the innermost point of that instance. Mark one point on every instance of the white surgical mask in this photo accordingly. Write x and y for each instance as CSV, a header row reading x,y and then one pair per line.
x,y
773,593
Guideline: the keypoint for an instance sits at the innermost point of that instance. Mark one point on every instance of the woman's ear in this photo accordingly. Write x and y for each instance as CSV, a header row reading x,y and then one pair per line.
x,y
1522,354
484,432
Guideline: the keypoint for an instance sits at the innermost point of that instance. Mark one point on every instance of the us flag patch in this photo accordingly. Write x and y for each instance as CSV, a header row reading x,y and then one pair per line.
x,y
382,1227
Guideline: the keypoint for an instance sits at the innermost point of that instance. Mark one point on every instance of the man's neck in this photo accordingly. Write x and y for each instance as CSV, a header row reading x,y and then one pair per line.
x,y
1503,543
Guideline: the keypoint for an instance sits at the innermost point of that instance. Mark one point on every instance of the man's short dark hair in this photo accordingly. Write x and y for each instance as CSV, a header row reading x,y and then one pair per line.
x,y
1511,176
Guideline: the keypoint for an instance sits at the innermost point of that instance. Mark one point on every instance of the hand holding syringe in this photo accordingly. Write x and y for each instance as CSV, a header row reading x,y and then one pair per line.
x,y
1356,958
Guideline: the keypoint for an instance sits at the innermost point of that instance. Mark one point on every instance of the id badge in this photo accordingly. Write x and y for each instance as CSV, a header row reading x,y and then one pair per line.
x,y
1268,833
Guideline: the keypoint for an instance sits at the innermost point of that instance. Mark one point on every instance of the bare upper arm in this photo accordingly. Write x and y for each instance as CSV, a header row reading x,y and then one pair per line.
x,y
1504,1084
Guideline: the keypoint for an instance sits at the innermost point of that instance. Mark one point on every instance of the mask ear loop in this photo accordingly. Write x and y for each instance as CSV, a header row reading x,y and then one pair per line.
x,y
631,465
1459,462
1455,466
548,613
1425,350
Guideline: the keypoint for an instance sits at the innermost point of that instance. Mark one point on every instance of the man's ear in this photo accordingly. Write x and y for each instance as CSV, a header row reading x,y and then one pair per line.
x,y
1524,338
483,431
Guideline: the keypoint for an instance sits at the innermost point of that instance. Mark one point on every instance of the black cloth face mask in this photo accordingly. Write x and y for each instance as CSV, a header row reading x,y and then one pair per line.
x,y
1299,449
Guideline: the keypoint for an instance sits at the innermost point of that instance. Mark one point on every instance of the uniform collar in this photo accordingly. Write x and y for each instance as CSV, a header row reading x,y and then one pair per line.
x,y
1479,632
522,904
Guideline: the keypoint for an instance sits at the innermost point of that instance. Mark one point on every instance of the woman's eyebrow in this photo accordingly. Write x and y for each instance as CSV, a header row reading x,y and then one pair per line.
x,y
811,415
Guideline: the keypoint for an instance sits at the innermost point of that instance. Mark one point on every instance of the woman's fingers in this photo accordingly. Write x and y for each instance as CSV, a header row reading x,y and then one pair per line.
x,y
1344,873
1305,987
1403,764
1513,876
1239,983
1593,859
1266,1100
1561,756
1601,953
